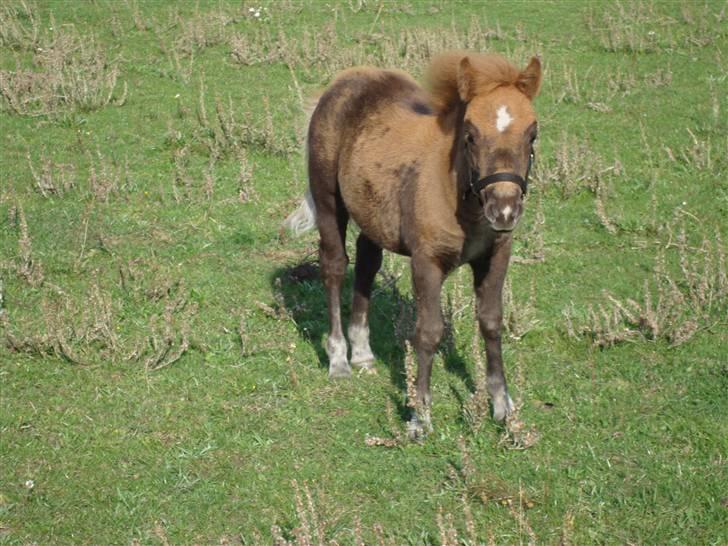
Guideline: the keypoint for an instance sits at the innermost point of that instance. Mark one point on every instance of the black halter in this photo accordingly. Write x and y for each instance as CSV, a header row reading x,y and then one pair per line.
x,y
477,186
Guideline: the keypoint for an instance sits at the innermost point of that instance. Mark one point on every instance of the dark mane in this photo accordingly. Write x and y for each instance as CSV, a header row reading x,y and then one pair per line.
x,y
491,71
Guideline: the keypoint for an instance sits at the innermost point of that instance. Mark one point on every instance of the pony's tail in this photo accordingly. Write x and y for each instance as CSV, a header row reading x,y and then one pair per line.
x,y
304,217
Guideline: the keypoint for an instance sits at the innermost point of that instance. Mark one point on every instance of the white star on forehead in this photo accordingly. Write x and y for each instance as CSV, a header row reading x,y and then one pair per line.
x,y
503,120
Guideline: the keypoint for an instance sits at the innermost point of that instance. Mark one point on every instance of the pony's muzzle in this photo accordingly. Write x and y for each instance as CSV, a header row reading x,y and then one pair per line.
x,y
502,207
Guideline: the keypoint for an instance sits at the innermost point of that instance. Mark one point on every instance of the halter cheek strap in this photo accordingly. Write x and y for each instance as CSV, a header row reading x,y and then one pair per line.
x,y
477,186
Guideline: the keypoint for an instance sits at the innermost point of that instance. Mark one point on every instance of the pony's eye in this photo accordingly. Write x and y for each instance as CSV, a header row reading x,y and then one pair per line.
x,y
469,138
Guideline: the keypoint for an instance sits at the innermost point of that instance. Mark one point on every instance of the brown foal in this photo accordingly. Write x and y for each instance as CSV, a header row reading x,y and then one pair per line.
x,y
439,175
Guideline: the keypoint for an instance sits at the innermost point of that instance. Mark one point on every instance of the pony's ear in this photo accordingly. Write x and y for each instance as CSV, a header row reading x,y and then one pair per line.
x,y
529,81
466,80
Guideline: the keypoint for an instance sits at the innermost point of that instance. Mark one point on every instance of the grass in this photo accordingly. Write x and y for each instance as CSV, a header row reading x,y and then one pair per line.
x,y
162,372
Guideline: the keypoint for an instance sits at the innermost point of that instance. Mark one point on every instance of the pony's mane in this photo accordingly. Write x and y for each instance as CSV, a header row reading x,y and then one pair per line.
x,y
490,71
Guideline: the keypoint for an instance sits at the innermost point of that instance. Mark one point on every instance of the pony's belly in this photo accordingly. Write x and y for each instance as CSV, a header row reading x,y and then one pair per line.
x,y
375,211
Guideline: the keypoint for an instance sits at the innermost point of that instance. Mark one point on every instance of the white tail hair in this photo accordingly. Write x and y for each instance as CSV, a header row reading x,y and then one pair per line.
x,y
304,217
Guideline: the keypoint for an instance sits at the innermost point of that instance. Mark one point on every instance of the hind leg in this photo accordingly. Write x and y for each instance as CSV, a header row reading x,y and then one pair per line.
x,y
332,219
368,262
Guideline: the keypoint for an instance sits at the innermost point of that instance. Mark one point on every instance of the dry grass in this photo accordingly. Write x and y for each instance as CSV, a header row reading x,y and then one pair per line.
x,y
313,523
672,307
574,167
19,26
50,178
519,317
94,328
634,27
230,132
476,410
320,53
73,74
27,266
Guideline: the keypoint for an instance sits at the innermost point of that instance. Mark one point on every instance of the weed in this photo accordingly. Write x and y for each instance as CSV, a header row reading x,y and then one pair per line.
x,y
28,267
106,176
74,75
635,27
476,409
669,307
52,179
574,167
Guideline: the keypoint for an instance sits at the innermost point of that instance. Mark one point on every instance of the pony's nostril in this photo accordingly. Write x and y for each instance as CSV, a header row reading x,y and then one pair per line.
x,y
491,212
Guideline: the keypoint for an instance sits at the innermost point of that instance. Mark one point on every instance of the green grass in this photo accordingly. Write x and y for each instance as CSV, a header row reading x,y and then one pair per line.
x,y
99,449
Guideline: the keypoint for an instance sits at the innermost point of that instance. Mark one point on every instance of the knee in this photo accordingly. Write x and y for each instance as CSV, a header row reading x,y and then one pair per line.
x,y
333,262
428,334
490,325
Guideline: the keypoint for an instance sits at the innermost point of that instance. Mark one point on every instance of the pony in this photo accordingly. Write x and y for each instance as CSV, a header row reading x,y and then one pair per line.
x,y
438,174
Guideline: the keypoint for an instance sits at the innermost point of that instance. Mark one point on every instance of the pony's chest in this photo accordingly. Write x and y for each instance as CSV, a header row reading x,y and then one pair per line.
x,y
476,243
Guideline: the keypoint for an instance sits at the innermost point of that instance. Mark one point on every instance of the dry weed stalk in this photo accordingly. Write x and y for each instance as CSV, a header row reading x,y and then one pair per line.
x,y
136,16
89,329
312,526
52,178
600,207
475,485
519,318
319,53
448,533
246,190
181,182
29,268
519,514
170,337
410,368
106,176
476,409
698,154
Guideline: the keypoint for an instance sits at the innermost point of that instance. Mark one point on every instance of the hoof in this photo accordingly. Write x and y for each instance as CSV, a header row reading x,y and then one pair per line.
x,y
502,408
341,371
418,428
365,368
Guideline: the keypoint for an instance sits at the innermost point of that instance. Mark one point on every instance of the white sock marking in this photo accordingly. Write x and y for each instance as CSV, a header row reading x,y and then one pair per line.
x,y
360,349
503,120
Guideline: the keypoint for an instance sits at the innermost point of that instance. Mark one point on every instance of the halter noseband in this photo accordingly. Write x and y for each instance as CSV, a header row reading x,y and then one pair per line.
x,y
479,185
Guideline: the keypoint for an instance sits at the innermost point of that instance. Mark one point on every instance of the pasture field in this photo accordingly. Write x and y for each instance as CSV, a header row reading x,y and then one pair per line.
x,y
162,372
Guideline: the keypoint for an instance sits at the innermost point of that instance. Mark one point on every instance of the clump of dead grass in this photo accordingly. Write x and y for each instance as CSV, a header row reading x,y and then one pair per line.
x,y
672,306
635,27
107,177
72,73
51,178
228,131
574,167
320,53
314,523
20,28
92,328
28,267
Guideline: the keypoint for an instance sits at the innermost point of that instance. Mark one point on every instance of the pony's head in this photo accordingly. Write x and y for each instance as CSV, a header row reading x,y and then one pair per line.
x,y
494,142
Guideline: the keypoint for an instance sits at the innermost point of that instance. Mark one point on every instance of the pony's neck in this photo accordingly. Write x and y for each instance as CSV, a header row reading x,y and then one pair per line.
x,y
451,123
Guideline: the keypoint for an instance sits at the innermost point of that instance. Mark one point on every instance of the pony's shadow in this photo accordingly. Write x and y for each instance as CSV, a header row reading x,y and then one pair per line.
x,y
299,289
